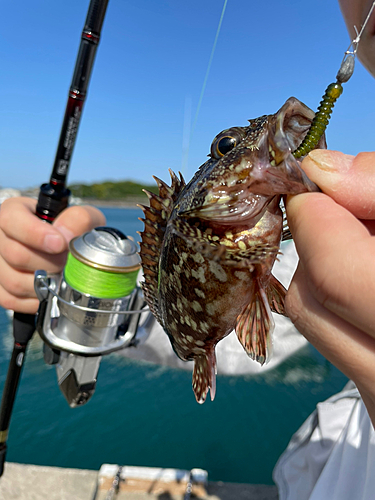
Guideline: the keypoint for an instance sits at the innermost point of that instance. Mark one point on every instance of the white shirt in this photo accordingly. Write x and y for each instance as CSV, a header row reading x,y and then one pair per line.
x,y
332,456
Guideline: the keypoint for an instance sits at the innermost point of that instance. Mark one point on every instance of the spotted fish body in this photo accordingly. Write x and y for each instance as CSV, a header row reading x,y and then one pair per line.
x,y
208,247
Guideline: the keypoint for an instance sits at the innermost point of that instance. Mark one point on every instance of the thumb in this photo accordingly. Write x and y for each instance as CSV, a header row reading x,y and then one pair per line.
x,y
349,180
77,220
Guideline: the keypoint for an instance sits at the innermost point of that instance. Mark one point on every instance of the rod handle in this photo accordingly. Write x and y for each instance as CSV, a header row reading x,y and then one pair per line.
x,y
23,329
52,200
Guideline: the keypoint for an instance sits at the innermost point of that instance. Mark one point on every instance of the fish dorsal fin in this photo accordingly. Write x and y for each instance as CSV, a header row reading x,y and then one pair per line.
x,y
155,219
255,326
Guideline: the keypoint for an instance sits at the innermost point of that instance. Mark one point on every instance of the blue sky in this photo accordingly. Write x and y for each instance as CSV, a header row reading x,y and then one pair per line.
x,y
148,76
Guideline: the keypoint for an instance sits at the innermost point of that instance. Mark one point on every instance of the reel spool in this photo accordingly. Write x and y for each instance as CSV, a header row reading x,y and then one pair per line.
x,y
92,309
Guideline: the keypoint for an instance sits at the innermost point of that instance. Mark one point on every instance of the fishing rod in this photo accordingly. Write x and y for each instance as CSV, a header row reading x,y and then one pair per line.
x,y
53,199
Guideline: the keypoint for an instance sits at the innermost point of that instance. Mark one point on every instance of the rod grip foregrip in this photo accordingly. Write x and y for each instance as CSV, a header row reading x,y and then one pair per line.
x,y
51,201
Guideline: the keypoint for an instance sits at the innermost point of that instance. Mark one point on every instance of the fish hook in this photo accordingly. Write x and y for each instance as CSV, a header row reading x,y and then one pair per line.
x,y
332,93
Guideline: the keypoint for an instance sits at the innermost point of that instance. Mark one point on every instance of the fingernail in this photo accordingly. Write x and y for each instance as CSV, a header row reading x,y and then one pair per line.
x,y
331,161
54,243
67,233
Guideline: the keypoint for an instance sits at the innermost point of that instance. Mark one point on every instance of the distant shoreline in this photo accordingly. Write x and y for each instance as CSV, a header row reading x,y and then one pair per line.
x,y
113,203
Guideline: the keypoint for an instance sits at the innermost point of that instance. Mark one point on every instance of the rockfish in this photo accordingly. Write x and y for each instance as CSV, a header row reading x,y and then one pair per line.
x,y
208,247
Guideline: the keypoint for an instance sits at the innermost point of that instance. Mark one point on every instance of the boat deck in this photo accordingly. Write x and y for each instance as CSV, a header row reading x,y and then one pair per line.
x,y
32,482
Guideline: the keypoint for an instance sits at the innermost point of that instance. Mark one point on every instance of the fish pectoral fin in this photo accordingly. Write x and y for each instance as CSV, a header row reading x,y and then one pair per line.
x,y
195,239
215,250
255,325
252,255
204,376
276,296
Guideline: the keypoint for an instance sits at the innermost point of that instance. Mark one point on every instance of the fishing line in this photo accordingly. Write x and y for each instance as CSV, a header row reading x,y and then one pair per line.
x,y
332,93
97,282
185,159
102,263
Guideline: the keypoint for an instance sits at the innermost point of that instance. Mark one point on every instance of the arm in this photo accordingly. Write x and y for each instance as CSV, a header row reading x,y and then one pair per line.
x,y
331,298
27,244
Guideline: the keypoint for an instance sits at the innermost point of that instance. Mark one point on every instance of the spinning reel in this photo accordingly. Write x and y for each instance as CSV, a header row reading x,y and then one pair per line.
x,y
93,308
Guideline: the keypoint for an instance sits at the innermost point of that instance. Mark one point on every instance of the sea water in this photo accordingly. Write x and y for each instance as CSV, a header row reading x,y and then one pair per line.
x,y
142,414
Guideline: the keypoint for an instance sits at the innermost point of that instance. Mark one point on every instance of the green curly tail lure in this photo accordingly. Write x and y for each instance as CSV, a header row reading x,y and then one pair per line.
x,y
332,93
320,121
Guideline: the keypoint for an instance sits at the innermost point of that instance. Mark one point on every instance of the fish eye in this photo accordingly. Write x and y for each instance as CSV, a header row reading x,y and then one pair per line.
x,y
226,141
224,145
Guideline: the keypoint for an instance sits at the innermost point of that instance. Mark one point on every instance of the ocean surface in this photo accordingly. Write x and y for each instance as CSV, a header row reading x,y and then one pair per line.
x,y
142,414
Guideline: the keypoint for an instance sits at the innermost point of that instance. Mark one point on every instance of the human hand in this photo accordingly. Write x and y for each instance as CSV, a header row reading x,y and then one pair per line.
x,y
27,244
331,297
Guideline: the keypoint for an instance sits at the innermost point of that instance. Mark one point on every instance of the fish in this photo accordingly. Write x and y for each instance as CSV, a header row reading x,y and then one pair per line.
x,y
208,246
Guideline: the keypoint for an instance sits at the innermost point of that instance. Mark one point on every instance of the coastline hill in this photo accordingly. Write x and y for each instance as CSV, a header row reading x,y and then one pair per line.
x,y
120,193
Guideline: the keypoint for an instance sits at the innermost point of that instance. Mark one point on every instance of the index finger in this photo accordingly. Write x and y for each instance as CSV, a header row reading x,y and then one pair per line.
x,y
337,253
349,180
19,222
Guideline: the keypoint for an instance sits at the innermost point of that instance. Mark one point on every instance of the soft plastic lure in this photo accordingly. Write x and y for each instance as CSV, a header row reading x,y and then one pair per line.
x,y
332,93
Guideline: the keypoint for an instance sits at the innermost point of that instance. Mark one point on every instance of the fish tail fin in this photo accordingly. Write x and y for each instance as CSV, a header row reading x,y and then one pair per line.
x,y
204,376
276,296
255,325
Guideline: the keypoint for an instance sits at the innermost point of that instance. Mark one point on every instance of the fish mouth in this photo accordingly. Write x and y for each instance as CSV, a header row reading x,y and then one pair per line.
x,y
233,209
286,134
290,127
263,171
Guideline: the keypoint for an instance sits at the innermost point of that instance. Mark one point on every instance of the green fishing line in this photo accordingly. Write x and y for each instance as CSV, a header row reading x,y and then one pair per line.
x,y
98,283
